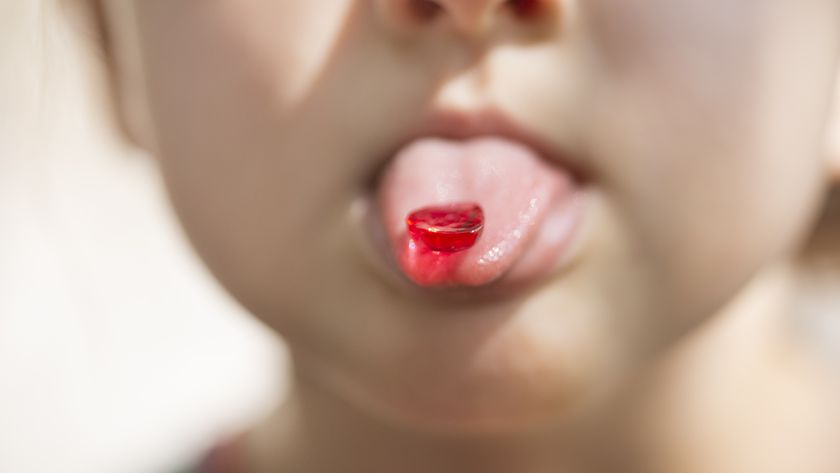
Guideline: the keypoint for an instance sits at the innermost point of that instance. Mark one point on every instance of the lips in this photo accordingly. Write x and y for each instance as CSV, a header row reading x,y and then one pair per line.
x,y
531,205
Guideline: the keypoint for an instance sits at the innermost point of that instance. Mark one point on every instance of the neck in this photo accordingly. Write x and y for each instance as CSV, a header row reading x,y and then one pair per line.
x,y
316,431
738,381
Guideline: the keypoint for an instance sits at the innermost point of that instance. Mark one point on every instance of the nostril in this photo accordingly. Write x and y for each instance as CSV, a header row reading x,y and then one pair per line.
x,y
424,9
526,8
467,15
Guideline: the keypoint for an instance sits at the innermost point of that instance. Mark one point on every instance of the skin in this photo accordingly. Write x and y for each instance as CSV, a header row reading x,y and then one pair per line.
x,y
700,126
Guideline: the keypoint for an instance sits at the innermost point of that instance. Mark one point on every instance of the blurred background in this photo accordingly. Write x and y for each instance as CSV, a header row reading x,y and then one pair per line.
x,y
118,353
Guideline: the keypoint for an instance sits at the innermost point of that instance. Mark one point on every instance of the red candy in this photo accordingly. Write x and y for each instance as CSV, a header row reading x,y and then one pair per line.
x,y
447,228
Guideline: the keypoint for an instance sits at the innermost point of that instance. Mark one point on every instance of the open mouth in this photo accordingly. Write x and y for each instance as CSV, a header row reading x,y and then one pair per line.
x,y
530,204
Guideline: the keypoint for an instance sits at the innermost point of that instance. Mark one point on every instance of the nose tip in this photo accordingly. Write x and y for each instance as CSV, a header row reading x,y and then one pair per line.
x,y
472,17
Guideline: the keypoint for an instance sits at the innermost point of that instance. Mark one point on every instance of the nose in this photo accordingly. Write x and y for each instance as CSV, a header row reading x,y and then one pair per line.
x,y
470,17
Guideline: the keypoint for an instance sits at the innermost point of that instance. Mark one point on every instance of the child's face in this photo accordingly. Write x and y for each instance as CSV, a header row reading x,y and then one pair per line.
x,y
695,129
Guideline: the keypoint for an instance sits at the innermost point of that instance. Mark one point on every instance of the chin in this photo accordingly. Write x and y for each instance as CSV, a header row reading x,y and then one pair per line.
x,y
466,409
503,389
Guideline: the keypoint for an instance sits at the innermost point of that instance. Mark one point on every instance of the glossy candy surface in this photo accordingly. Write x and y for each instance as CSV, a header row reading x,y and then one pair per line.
x,y
448,228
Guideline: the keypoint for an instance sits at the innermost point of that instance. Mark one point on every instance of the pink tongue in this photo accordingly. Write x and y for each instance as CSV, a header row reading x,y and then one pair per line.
x,y
508,180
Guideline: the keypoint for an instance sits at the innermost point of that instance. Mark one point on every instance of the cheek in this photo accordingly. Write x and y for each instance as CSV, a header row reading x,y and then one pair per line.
x,y
223,80
284,45
689,130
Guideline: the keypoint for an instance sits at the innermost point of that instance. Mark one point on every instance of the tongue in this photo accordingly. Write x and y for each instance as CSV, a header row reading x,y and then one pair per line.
x,y
513,185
